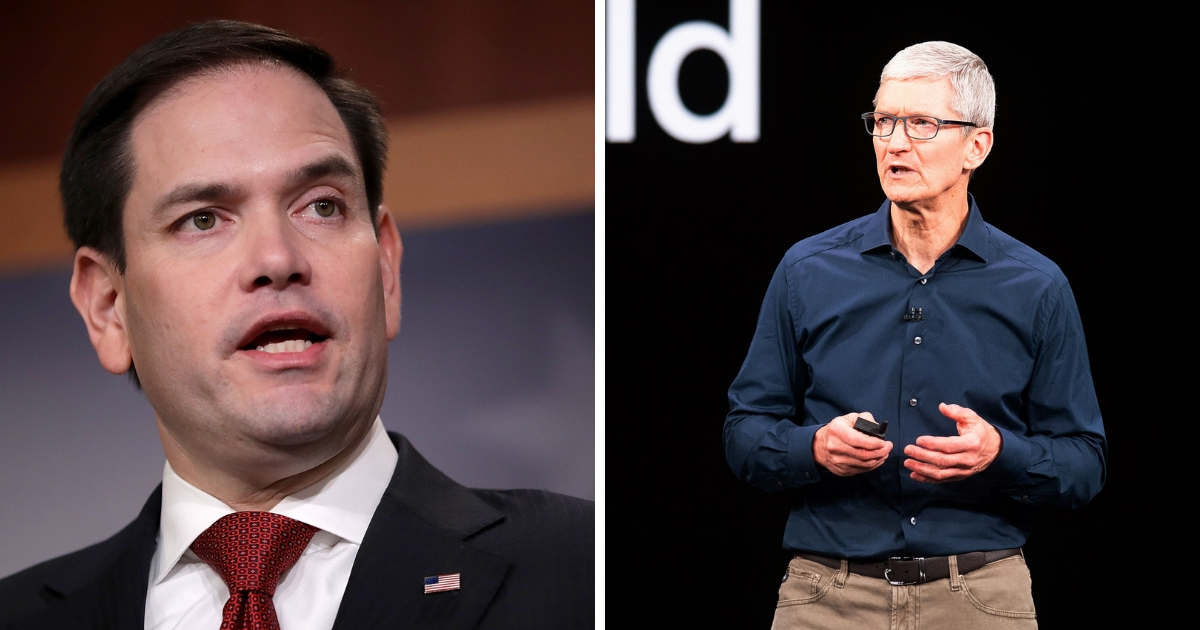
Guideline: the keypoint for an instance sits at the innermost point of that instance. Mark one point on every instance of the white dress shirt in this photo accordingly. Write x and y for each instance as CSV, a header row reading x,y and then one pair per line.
x,y
186,593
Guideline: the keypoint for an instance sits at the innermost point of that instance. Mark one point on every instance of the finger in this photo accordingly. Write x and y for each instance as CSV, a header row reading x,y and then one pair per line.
x,y
858,464
831,450
849,467
925,479
861,466
861,442
958,413
850,419
860,454
939,460
933,474
849,435
924,469
847,454
864,443
954,444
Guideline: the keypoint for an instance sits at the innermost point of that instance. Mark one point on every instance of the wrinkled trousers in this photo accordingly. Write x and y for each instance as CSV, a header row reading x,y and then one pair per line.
x,y
997,595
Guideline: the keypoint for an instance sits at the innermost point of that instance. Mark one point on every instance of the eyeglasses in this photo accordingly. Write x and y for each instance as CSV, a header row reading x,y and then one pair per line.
x,y
917,127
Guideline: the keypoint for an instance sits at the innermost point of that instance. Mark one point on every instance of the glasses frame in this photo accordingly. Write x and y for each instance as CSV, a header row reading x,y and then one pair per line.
x,y
904,120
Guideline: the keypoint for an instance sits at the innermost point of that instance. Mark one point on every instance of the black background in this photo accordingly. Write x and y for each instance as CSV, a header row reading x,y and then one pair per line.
x,y
1090,167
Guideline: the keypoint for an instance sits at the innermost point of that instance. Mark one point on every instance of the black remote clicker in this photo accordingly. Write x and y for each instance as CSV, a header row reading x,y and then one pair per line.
x,y
872,429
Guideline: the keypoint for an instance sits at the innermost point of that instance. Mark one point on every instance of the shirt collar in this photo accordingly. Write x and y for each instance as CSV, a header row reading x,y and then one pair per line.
x,y
341,503
877,232
974,238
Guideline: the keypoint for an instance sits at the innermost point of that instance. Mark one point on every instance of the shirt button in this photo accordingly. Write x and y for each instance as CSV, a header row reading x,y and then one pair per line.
x,y
917,340
912,402
924,280
913,520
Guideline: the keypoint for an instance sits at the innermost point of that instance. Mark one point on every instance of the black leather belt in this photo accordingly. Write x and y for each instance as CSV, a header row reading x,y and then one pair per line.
x,y
905,570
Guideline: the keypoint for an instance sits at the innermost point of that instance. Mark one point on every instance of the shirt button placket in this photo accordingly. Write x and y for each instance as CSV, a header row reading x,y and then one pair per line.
x,y
918,333
917,340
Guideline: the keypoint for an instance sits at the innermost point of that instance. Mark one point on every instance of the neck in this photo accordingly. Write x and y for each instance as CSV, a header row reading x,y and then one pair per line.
x,y
923,232
266,478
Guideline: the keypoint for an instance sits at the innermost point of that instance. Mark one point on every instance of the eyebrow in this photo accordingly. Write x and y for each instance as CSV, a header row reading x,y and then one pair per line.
x,y
332,166
190,193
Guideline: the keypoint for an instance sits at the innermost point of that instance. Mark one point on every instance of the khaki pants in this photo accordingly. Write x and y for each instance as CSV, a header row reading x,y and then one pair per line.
x,y
997,595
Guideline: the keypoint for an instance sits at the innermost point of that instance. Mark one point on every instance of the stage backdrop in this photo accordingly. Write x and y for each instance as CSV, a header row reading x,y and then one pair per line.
x,y
734,132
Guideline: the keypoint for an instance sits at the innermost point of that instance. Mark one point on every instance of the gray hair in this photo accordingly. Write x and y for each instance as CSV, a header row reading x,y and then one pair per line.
x,y
974,91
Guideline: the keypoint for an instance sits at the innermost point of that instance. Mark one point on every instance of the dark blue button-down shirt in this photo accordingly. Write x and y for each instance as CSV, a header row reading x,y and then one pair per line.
x,y
993,326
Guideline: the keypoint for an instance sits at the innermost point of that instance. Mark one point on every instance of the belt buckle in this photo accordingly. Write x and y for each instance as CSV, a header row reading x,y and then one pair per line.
x,y
887,570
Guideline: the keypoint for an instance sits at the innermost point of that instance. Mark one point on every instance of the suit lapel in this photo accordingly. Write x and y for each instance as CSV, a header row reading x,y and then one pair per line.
x,y
105,587
420,529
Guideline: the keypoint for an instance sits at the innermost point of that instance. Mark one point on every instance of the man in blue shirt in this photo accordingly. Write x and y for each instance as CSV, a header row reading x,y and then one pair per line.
x,y
967,343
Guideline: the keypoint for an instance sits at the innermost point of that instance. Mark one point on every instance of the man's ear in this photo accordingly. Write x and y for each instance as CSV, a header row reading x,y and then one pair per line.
x,y
390,252
981,145
98,291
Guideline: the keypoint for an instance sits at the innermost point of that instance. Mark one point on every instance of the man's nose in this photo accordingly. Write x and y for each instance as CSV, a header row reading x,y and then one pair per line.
x,y
899,140
273,253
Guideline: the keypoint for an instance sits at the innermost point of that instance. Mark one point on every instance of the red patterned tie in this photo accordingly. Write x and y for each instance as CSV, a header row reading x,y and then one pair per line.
x,y
250,550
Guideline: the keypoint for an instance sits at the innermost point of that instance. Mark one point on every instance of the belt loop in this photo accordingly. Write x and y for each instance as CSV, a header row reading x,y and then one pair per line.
x,y
839,578
955,578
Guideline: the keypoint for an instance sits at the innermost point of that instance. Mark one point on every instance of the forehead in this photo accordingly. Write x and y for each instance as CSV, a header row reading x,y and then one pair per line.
x,y
916,96
235,125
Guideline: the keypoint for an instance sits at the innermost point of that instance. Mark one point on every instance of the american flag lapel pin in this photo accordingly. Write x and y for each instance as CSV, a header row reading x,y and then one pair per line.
x,y
439,583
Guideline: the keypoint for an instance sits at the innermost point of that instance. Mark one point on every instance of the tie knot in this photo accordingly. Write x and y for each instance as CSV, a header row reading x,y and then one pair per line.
x,y
250,550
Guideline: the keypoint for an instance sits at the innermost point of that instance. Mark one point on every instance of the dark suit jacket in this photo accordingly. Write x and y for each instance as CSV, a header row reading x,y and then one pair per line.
x,y
526,557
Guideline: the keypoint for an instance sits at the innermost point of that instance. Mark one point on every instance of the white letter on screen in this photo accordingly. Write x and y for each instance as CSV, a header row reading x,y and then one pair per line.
x,y
738,47
619,71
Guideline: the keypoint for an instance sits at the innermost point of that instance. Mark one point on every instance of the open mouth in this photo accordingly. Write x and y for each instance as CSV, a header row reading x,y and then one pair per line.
x,y
284,340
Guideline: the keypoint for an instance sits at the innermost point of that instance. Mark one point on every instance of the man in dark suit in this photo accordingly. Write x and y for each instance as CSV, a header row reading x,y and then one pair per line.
x,y
223,188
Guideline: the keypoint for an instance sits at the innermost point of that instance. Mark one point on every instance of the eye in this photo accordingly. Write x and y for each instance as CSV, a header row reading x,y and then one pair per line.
x,y
203,221
325,207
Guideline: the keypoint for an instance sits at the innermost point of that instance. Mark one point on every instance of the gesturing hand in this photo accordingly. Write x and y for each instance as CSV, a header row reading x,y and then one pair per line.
x,y
844,451
942,459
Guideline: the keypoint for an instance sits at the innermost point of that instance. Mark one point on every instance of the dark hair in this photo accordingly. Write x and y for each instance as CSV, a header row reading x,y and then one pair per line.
x,y
97,169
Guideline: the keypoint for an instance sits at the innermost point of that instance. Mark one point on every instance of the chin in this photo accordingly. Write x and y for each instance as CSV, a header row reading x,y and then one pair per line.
x,y
902,194
300,420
